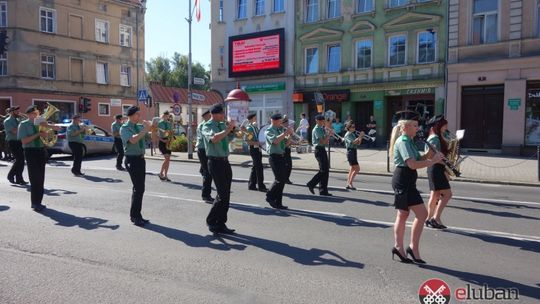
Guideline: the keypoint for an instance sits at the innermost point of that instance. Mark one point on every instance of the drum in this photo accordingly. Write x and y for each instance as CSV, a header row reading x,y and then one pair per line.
x,y
262,137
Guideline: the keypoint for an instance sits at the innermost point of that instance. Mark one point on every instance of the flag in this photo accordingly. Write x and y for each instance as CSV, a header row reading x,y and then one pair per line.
x,y
198,10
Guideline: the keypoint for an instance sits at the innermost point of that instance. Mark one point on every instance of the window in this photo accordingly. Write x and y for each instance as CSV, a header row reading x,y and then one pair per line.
x,y
427,42
221,57
397,47
312,61
3,14
220,10
334,58
242,9
125,75
47,67
104,109
279,6
259,7
485,15
3,64
125,35
363,54
396,3
47,20
364,6
102,72
312,10
102,31
334,9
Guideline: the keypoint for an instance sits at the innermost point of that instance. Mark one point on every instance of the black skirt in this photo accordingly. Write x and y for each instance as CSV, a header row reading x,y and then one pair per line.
x,y
404,185
163,148
437,178
351,157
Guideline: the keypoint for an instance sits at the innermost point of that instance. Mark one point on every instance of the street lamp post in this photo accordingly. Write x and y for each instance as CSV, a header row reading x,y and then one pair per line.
x,y
190,135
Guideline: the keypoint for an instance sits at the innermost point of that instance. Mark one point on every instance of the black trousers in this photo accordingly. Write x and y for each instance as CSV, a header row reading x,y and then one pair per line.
x,y
205,173
119,147
136,166
17,169
277,162
36,158
288,163
321,177
221,172
256,178
77,150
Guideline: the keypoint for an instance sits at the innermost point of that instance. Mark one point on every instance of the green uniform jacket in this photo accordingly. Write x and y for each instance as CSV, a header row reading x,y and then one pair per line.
x,y
317,135
221,148
271,134
27,128
9,124
349,138
115,127
404,149
79,138
126,132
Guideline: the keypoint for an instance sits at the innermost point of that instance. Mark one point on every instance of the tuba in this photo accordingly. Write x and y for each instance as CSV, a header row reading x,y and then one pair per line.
x,y
453,151
50,139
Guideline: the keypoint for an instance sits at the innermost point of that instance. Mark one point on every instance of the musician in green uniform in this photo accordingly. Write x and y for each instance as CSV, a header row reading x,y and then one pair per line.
x,y
275,147
351,143
165,133
217,135
320,138
288,157
35,154
75,136
203,160
256,178
115,128
11,124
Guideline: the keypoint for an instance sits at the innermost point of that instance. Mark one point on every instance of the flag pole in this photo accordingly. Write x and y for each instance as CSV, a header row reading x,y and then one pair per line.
x,y
190,135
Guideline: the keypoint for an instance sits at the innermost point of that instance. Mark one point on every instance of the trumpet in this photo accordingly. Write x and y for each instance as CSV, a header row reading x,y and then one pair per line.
x,y
364,136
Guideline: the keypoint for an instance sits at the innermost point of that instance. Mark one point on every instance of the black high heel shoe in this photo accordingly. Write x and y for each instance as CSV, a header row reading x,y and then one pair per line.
x,y
404,259
418,261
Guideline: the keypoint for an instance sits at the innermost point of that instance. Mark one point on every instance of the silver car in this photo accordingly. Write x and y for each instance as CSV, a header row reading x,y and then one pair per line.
x,y
100,141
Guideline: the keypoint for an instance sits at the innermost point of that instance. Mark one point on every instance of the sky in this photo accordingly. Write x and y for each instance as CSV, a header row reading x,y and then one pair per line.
x,y
166,30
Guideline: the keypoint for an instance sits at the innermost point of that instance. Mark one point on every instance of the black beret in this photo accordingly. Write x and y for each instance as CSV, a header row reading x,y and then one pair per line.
x,y
408,115
205,113
119,116
216,109
14,108
76,116
319,117
31,109
132,110
276,116
435,119
166,113
250,116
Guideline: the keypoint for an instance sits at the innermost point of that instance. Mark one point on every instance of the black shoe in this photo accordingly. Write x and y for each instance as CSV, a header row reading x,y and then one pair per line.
x,y
404,259
418,261
436,225
325,194
288,182
39,208
120,168
22,183
139,221
11,180
271,202
311,189
350,187
78,174
208,200
282,207
252,188
227,230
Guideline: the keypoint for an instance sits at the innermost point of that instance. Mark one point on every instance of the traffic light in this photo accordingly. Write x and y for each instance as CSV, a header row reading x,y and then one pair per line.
x,y
149,101
3,42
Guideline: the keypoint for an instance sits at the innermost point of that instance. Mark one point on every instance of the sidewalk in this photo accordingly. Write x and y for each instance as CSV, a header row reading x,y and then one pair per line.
x,y
475,168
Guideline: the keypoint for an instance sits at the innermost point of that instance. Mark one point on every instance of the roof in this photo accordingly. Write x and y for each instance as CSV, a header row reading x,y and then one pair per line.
x,y
165,94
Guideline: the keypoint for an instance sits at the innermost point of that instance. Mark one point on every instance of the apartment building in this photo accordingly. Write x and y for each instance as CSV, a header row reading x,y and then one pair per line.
x,y
253,45
371,57
494,74
62,50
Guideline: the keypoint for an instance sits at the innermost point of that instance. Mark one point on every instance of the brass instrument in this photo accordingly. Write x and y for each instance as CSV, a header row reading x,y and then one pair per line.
x,y
364,136
241,132
169,134
50,139
453,152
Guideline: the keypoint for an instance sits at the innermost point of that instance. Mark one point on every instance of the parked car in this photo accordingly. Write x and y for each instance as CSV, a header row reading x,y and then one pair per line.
x,y
100,141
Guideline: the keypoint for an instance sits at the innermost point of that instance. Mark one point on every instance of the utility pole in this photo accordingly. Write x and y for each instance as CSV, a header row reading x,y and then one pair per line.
x,y
190,135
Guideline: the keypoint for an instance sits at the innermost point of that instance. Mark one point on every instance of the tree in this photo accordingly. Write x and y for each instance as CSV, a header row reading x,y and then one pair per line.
x,y
174,72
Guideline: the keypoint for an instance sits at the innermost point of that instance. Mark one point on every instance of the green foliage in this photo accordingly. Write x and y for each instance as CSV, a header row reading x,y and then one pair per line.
x,y
174,72
179,144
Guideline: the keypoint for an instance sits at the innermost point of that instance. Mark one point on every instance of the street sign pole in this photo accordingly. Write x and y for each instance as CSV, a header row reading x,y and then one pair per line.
x,y
189,143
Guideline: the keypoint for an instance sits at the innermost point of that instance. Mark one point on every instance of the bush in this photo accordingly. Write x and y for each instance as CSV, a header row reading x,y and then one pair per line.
x,y
179,144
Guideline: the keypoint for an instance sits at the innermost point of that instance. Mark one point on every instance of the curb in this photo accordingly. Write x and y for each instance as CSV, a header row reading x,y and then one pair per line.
x,y
463,180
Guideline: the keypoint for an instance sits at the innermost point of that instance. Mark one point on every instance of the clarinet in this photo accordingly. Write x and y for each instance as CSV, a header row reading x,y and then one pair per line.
x,y
445,161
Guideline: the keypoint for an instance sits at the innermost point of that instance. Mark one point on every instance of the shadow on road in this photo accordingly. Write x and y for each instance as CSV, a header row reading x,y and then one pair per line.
x,y
192,240
97,179
333,199
521,244
3,208
496,213
70,220
502,205
187,185
56,192
492,282
309,257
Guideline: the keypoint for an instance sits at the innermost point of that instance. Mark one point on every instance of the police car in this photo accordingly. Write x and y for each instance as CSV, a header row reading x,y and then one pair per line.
x,y
99,141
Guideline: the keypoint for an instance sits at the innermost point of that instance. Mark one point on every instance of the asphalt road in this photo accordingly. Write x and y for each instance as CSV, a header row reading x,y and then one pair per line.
x,y
84,249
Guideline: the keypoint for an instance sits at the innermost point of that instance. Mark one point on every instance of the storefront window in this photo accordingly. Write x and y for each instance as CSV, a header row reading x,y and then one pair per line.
x,y
532,121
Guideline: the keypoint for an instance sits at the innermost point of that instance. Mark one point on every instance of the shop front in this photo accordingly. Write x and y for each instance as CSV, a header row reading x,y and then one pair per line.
x,y
267,99
532,114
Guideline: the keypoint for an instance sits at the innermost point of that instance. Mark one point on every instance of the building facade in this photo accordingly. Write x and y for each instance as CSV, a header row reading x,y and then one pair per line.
x,y
265,71
494,74
61,50
370,57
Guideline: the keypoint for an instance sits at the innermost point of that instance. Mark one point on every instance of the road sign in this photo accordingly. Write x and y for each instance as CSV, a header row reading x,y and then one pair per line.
x,y
197,96
176,109
142,95
198,81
